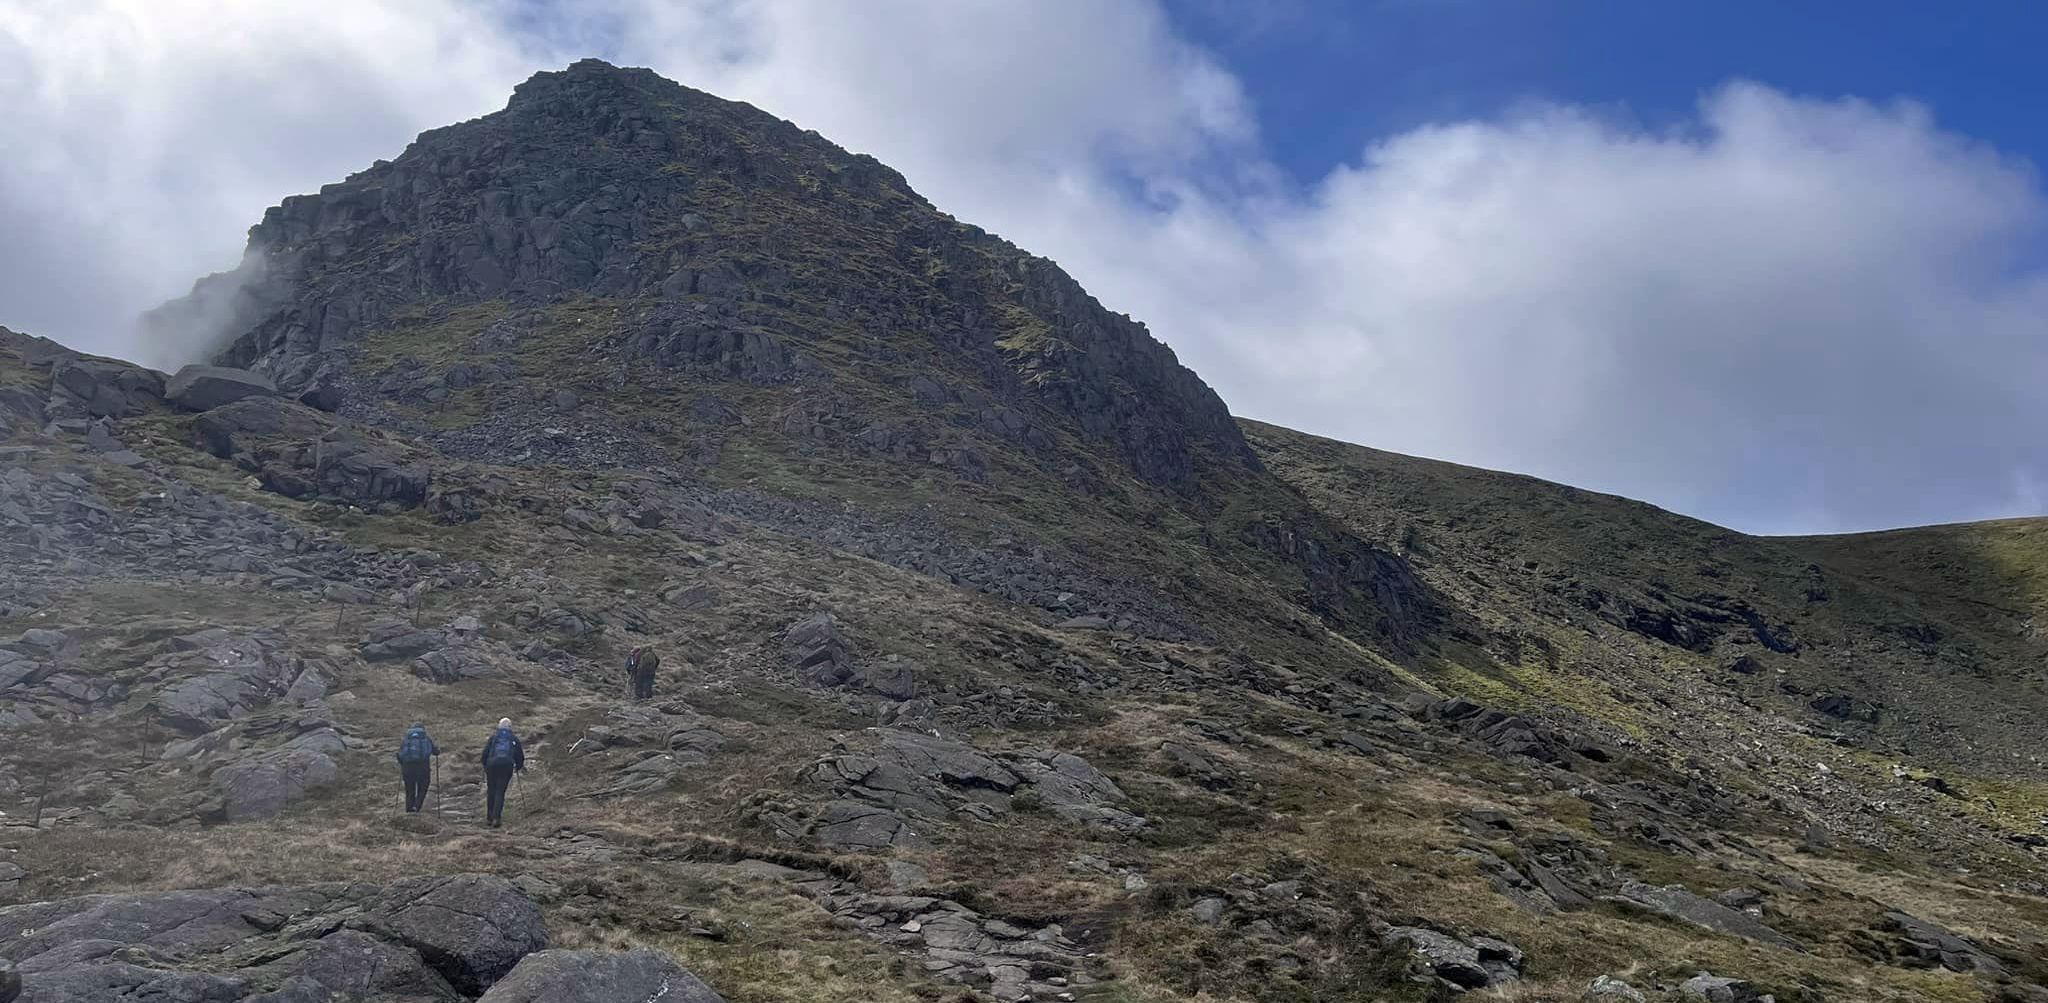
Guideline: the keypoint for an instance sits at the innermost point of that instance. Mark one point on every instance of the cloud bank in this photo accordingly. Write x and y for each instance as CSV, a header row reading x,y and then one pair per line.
x,y
1789,314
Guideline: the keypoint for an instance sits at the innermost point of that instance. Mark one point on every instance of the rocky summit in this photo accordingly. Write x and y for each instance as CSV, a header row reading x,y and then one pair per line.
x,y
997,660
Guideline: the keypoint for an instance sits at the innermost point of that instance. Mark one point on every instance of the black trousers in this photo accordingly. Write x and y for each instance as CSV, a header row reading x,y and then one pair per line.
x,y
417,777
496,780
643,686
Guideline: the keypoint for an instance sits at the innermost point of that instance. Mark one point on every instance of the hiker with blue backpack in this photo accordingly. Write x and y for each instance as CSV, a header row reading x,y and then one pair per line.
x,y
503,756
415,762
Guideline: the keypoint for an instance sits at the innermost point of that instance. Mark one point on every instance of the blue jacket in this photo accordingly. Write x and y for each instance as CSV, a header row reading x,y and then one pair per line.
x,y
432,750
505,735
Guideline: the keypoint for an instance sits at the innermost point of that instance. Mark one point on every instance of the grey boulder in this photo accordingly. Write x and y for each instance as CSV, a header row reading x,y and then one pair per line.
x,y
1678,903
359,965
263,785
1468,964
297,989
1608,989
471,928
203,388
1716,989
120,981
593,977
102,388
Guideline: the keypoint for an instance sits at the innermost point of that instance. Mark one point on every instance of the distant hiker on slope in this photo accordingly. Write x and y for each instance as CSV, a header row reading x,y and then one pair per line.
x,y
640,665
416,754
502,757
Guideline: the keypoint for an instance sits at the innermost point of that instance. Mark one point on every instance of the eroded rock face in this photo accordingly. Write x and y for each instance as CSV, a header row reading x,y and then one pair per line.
x,y
455,664
426,940
394,638
914,781
213,677
1467,963
1681,904
262,785
299,452
823,652
1011,961
245,427
566,191
1923,943
356,468
820,649
19,406
593,977
203,388
1515,735
358,965
471,928
102,388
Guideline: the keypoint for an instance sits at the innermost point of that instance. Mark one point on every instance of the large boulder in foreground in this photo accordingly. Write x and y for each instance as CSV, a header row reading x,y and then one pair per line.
x,y
203,388
592,977
434,939
471,928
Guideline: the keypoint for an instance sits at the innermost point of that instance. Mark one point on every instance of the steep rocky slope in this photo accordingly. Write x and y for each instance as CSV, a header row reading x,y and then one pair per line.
x,y
999,660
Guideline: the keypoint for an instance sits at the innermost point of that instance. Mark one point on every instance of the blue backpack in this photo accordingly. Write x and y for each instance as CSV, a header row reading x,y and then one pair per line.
x,y
503,750
417,748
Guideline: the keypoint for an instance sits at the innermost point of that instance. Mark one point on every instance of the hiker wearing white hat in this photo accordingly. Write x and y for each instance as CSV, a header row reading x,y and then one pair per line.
x,y
503,756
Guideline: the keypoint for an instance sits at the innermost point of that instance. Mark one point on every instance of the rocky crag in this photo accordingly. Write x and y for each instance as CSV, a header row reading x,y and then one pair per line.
x,y
999,660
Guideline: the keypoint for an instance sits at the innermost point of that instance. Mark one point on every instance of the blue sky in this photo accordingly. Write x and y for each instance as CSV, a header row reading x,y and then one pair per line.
x,y
1330,75
1782,266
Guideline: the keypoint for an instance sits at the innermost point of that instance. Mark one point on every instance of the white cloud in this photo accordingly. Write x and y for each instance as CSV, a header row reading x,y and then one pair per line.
x,y
1790,314
144,137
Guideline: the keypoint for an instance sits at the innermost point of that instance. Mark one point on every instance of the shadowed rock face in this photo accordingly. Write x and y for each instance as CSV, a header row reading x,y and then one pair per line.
x,y
445,938
912,779
471,928
617,183
714,242
203,388
424,940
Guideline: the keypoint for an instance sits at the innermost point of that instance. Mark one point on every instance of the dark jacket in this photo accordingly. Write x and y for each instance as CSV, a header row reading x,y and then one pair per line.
x,y
643,664
504,735
432,749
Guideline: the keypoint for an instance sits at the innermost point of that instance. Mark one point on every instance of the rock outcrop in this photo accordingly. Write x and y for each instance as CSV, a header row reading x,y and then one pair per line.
x,y
913,780
563,191
1463,963
428,939
1679,903
203,388
591,977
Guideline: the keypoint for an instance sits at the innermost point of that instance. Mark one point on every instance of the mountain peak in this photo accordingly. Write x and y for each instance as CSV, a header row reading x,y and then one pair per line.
x,y
594,79
710,226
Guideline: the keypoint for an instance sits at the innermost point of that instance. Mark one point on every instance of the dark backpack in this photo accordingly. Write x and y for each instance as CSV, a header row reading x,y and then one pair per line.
x,y
503,750
417,748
